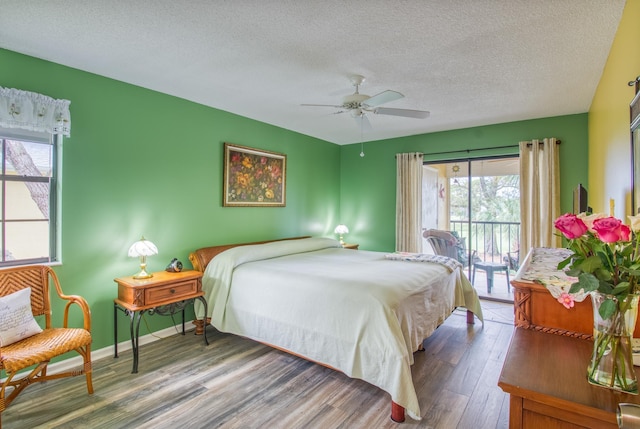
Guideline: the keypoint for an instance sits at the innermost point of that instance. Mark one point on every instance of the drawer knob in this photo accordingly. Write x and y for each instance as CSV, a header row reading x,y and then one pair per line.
x,y
173,291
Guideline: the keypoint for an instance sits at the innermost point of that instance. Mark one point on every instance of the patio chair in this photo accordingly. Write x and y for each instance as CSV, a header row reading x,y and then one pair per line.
x,y
512,260
447,243
25,347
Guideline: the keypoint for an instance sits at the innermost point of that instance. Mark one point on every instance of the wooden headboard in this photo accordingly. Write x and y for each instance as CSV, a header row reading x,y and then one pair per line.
x,y
200,258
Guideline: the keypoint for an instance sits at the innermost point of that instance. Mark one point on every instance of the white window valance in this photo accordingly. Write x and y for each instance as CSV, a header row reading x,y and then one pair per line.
x,y
34,112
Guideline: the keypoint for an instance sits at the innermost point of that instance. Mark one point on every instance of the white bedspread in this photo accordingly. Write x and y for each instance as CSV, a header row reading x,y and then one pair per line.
x,y
352,310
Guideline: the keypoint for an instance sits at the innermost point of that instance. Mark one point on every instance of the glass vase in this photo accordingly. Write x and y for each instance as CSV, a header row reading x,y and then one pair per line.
x,y
611,363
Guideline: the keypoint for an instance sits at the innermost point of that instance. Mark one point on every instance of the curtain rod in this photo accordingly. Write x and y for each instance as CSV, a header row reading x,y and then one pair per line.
x,y
415,154
557,142
486,148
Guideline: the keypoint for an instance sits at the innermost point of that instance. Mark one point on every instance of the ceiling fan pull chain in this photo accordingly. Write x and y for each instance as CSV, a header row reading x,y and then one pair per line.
x,y
361,138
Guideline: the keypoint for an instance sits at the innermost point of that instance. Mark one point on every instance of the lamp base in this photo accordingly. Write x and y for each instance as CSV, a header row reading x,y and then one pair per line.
x,y
143,274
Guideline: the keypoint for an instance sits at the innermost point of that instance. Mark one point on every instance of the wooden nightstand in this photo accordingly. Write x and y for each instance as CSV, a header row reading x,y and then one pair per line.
x,y
165,294
353,246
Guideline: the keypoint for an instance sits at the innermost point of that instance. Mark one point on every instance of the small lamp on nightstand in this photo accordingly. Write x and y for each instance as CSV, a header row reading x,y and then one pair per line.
x,y
142,249
341,230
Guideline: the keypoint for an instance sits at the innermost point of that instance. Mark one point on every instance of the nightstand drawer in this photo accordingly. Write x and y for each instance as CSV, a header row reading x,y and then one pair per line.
x,y
161,289
172,292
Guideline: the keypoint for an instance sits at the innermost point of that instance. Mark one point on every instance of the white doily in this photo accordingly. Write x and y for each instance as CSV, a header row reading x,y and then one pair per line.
x,y
543,269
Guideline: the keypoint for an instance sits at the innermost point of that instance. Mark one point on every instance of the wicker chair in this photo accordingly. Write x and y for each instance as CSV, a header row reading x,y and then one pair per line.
x,y
31,355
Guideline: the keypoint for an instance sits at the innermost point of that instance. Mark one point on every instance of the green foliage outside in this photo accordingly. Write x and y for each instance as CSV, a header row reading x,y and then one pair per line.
x,y
495,212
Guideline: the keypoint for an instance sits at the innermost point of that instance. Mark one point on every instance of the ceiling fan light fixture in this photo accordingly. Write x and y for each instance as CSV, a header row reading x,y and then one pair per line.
x,y
353,101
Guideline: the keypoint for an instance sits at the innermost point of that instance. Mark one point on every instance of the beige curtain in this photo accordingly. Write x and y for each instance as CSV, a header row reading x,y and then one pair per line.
x,y
539,193
409,202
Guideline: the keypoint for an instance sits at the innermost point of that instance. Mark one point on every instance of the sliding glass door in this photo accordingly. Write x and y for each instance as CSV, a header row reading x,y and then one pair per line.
x,y
478,200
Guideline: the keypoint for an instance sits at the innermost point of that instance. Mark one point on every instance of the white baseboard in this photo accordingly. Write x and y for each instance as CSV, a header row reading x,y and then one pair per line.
x,y
76,361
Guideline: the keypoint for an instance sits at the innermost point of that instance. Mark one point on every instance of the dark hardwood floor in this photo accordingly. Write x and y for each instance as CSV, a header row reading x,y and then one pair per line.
x,y
237,383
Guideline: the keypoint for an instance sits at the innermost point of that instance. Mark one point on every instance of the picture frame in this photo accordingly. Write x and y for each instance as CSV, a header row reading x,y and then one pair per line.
x,y
253,177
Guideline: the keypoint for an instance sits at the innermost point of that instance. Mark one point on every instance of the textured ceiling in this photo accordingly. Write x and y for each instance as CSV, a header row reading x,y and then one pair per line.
x,y
468,62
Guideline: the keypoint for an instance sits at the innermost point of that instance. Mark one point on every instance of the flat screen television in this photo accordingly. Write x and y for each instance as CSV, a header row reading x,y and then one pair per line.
x,y
580,200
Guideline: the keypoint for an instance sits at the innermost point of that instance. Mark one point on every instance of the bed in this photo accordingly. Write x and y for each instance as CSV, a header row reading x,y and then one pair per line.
x,y
360,312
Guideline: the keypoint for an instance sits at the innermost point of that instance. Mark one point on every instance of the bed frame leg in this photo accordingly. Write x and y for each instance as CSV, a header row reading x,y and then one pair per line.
x,y
397,412
470,319
199,323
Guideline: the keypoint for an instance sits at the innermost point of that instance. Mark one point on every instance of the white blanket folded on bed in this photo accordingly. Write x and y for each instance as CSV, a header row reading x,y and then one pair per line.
x,y
445,261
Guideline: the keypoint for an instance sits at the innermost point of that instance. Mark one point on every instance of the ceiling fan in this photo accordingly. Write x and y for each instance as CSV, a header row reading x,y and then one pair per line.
x,y
361,104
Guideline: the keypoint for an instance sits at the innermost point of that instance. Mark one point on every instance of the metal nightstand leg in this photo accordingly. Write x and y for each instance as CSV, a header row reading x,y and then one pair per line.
x,y
204,326
134,328
134,332
135,339
115,330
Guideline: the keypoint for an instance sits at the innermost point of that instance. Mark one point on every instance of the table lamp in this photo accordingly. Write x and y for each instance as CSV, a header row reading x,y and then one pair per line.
x,y
142,249
341,230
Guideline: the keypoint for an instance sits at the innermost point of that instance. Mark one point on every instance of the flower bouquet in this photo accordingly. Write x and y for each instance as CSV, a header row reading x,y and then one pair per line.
x,y
606,261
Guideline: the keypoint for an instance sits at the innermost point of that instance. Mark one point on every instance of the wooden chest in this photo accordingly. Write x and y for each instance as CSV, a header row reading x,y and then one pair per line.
x,y
535,307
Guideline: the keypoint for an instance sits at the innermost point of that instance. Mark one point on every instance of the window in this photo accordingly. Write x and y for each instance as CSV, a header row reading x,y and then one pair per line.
x,y
28,197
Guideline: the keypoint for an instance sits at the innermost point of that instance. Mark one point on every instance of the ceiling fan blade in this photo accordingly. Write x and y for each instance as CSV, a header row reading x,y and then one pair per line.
x,y
408,113
323,105
383,97
363,123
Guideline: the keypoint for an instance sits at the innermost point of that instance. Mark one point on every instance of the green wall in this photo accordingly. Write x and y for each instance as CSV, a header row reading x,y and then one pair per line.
x,y
368,184
141,162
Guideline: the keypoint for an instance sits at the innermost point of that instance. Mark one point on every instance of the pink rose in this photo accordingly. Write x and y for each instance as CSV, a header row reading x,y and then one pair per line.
x,y
570,226
566,300
611,230
625,232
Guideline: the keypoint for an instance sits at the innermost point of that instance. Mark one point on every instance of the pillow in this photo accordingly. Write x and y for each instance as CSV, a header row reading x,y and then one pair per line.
x,y
16,319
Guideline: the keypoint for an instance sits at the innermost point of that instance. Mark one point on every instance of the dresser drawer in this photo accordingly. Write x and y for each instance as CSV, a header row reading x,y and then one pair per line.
x,y
171,293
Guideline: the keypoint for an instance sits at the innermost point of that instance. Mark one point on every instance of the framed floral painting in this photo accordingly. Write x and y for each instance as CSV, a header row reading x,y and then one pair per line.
x,y
253,177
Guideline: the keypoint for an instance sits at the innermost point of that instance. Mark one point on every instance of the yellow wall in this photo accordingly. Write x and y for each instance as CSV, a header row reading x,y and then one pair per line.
x,y
609,138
